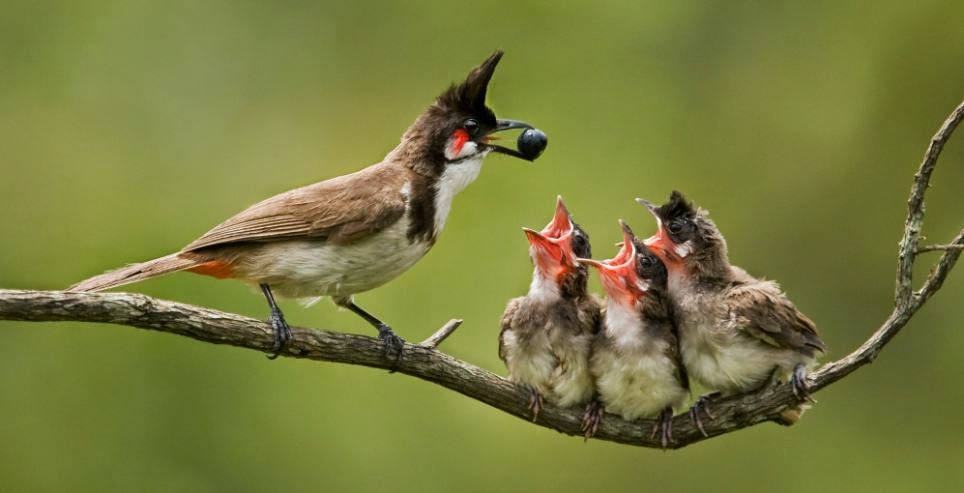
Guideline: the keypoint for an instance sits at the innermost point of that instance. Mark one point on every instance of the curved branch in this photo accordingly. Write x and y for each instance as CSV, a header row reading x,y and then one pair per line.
x,y
420,361
426,362
915,207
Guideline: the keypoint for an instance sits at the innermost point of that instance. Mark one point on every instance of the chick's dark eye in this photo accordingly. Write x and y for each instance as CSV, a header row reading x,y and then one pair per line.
x,y
579,245
675,227
646,262
471,126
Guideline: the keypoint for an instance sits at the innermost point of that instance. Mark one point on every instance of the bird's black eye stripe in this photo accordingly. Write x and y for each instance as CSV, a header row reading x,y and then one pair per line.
x,y
471,126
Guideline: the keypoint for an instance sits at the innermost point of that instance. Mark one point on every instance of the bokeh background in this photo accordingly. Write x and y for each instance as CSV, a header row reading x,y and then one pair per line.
x,y
129,128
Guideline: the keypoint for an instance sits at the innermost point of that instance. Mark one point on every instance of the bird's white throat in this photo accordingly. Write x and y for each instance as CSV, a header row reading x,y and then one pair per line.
x,y
454,179
622,323
542,288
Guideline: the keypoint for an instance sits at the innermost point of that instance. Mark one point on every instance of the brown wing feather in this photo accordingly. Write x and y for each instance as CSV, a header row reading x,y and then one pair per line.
x,y
762,311
339,210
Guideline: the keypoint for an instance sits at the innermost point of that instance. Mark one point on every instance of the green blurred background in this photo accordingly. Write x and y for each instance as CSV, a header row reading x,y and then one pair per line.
x,y
129,128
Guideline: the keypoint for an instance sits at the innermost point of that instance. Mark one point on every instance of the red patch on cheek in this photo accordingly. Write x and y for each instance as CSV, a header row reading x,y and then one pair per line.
x,y
459,138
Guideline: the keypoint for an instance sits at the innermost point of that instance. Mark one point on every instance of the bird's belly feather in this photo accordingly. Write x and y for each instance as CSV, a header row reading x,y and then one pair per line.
x,y
731,361
307,268
557,368
637,385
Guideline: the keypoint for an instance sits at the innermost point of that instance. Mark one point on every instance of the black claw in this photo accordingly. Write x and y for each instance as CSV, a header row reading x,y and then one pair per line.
x,y
281,332
535,403
664,426
591,418
702,405
694,413
798,382
392,344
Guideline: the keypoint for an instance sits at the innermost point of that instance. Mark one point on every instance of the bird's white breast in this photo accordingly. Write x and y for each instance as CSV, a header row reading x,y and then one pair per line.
x,y
623,325
634,376
454,179
637,383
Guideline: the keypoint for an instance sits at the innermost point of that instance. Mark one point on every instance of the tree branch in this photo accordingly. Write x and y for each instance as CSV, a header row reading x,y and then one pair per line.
x,y
937,248
426,362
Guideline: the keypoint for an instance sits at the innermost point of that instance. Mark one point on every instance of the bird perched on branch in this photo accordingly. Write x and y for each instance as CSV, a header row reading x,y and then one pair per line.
x,y
546,335
635,359
737,333
352,233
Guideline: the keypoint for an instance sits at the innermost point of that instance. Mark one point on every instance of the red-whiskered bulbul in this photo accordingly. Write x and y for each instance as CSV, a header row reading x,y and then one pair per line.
x,y
546,335
737,333
352,233
635,361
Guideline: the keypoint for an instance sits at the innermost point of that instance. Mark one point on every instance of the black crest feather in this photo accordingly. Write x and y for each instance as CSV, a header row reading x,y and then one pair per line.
x,y
470,94
676,206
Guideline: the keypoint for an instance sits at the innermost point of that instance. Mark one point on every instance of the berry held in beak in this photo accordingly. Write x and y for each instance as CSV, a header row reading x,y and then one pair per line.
x,y
530,144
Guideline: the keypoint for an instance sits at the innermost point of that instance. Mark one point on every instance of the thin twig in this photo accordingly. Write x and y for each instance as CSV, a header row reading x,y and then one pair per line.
x,y
937,248
426,362
939,272
440,335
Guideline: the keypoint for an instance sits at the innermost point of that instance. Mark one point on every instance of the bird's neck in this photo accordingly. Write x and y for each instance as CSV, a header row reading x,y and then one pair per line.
x,y
432,185
622,322
707,268
543,288
455,177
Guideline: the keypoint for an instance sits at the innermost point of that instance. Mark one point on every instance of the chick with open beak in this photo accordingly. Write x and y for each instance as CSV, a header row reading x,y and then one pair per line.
x,y
635,359
737,333
546,335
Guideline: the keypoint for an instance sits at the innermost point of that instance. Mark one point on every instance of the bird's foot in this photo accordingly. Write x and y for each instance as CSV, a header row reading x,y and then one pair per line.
x,y
281,332
591,418
535,403
702,405
392,345
664,427
798,382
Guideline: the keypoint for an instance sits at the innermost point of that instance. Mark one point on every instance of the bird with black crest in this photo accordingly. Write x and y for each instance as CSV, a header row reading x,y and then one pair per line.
x,y
737,333
352,233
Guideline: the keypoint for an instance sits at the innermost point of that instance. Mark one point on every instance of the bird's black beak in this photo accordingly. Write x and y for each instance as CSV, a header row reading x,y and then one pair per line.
x,y
507,125
651,207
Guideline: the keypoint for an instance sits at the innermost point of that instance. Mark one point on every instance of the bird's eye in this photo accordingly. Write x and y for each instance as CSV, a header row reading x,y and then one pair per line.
x,y
579,244
471,126
675,227
646,262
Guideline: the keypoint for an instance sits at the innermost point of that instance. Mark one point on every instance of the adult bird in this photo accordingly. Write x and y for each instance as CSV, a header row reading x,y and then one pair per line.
x,y
349,234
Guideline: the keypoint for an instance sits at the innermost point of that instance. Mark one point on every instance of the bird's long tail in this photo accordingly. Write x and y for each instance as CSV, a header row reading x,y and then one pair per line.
x,y
138,272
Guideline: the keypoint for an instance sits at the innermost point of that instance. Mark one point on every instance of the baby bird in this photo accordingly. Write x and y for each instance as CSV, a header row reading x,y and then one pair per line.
x,y
736,332
546,335
635,358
